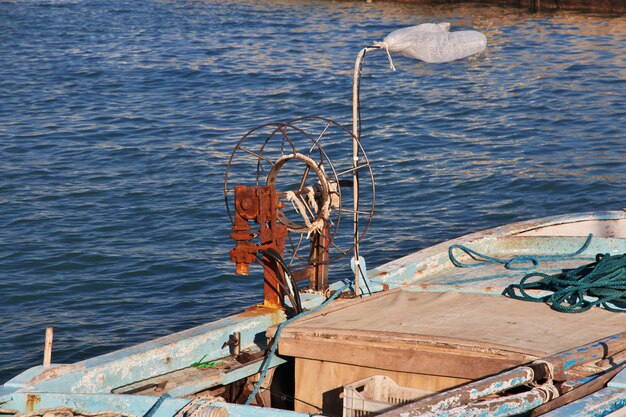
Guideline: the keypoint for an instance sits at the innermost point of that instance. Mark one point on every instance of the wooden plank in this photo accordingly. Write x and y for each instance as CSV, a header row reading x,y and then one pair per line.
x,y
599,403
340,304
162,384
319,384
401,353
591,352
424,340
47,348
486,325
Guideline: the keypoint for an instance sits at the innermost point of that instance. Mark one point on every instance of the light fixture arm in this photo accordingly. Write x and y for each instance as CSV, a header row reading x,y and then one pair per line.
x,y
356,133
411,42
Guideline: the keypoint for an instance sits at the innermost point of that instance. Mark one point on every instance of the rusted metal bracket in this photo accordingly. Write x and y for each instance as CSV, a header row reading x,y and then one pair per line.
x,y
259,205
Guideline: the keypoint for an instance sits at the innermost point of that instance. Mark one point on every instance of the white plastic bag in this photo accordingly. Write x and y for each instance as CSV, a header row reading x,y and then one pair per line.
x,y
433,43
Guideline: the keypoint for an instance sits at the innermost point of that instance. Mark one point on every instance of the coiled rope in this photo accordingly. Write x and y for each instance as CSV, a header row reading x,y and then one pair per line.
x,y
601,283
197,404
516,263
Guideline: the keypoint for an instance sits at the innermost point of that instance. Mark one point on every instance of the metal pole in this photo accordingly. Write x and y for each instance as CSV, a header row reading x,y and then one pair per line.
x,y
355,158
355,163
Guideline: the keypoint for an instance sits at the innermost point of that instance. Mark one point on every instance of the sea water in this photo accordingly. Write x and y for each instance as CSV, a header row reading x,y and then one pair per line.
x,y
117,119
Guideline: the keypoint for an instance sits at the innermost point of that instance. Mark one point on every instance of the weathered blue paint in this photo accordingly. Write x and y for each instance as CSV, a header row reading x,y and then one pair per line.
x,y
432,267
164,355
5,393
224,379
22,379
87,383
521,404
134,404
581,381
365,281
601,348
598,404
500,386
155,407
458,398
619,381
310,300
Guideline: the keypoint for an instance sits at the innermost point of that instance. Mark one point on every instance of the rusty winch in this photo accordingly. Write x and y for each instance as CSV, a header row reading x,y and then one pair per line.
x,y
282,189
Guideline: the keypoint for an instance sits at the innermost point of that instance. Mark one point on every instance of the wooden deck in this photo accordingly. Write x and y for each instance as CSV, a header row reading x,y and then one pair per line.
x,y
440,325
429,340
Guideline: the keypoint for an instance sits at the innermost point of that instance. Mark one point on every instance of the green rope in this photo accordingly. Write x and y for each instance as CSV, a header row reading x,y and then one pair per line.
x,y
516,263
601,283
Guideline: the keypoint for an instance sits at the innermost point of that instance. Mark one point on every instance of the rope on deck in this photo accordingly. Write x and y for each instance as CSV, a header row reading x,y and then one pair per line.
x,y
601,283
197,404
516,263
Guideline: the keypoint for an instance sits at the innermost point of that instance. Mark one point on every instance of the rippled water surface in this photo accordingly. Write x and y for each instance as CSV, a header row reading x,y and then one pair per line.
x,y
117,119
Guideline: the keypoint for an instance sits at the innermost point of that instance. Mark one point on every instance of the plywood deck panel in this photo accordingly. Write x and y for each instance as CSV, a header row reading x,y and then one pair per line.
x,y
453,334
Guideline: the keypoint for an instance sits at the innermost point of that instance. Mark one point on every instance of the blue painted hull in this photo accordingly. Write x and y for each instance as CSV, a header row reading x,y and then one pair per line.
x,y
100,383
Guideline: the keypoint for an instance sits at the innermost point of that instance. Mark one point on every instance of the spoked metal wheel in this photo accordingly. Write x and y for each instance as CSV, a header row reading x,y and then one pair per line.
x,y
309,161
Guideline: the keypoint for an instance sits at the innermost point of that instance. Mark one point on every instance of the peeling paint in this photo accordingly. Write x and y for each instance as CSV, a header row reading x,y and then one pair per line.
x,y
569,364
458,397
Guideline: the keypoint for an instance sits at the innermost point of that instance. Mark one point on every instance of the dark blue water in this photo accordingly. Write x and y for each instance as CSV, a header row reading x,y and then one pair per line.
x,y
117,119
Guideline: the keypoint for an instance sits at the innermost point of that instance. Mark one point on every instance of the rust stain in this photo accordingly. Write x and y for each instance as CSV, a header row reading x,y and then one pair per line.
x,y
256,311
275,314
381,274
33,401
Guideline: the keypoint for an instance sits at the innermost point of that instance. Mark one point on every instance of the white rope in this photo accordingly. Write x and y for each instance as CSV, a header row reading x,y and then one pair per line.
x,y
196,406
298,206
386,48
550,367
295,202
311,226
310,194
549,390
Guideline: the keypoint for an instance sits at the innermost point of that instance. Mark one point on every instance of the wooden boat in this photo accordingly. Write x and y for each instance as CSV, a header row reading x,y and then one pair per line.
x,y
428,334
428,325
